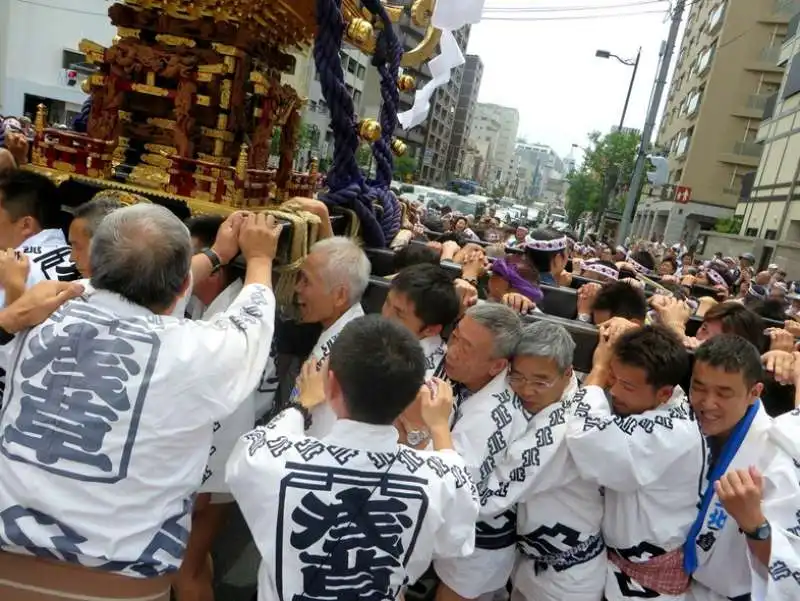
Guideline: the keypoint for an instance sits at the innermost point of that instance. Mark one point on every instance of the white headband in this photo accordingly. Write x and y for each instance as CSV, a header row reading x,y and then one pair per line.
x,y
601,269
638,266
716,278
546,245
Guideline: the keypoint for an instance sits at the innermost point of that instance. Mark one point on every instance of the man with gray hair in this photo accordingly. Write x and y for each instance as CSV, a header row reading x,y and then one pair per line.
x,y
329,288
559,514
85,220
488,417
112,399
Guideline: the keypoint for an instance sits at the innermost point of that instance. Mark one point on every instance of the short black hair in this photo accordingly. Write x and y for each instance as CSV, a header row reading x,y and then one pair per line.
x,y
541,259
768,309
95,210
372,356
415,254
732,354
672,261
27,194
205,228
657,351
621,300
431,290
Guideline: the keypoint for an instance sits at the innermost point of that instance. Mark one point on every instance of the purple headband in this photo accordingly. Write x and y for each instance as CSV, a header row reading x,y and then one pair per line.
x,y
510,274
638,266
716,278
600,269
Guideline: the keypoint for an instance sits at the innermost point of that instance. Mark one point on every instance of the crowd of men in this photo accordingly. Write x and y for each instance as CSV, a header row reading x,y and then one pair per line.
x,y
447,439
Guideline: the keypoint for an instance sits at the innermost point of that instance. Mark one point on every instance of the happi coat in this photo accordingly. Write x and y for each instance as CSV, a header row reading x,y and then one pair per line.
x,y
484,425
650,466
353,515
716,551
559,514
322,416
781,582
108,424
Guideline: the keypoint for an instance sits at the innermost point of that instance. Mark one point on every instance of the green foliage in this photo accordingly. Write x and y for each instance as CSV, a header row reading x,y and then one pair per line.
x,y
729,226
364,155
498,193
616,149
324,164
584,194
404,166
306,138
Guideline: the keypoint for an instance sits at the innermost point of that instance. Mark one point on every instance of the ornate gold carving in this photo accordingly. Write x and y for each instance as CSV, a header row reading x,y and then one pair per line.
x,y
62,166
260,90
86,86
216,69
205,77
259,78
257,112
241,163
151,79
203,100
359,30
41,119
369,130
127,32
399,147
149,176
225,94
63,148
223,161
161,123
406,83
146,89
95,53
222,121
161,149
202,195
157,160
219,147
126,117
226,50
174,40
218,134
97,79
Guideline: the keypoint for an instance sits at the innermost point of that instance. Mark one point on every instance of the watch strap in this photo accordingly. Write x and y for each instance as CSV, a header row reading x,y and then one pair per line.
x,y
763,532
5,337
216,262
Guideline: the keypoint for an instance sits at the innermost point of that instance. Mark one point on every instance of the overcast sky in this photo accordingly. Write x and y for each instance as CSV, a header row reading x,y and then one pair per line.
x,y
548,69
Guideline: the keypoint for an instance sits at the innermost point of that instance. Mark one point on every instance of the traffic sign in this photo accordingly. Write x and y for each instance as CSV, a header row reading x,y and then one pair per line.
x,y
683,194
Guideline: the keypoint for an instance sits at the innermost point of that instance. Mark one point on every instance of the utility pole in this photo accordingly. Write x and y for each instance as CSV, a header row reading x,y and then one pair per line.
x,y
661,80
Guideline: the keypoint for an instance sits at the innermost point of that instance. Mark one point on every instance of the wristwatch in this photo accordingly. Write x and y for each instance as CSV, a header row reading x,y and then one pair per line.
x,y
417,437
763,532
216,262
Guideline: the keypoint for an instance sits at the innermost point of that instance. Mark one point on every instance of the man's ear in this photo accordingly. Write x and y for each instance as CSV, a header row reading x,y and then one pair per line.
x,y
334,395
432,330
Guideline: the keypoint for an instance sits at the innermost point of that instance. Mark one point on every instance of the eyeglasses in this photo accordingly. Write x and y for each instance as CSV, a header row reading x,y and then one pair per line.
x,y
523,382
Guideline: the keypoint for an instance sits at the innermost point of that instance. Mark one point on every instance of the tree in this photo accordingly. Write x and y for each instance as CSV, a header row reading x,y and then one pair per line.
x,y
403,167
584,194
364,155
611,159
729,226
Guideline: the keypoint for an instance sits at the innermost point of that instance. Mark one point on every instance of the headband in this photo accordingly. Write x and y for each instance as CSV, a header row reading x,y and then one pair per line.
x,y
638,266
601,269
716,278
510,274
546,245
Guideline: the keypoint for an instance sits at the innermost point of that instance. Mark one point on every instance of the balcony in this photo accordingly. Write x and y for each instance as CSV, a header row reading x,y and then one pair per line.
x,y
743,153
767,61
753,108
782,12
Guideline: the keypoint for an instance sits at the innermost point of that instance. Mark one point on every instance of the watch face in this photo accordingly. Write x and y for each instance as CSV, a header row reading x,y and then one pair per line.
x,y
763,532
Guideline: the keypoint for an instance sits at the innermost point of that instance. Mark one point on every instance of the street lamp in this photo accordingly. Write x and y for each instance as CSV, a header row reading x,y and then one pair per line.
x,y
629,63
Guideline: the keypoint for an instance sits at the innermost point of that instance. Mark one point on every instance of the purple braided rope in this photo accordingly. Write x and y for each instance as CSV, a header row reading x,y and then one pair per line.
x,y
347,187
81,122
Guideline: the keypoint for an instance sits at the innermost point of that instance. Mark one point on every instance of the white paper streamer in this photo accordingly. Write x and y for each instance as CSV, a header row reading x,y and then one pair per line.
x,y
448,16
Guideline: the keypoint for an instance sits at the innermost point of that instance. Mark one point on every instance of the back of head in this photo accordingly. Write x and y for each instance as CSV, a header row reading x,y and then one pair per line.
x,y
414,254
430,288
732,354
620,299
657,351
27,194
542,246
143,253
768,309
94,211
549,341
645,259
203,229
345,265
737,319
504,324
380,368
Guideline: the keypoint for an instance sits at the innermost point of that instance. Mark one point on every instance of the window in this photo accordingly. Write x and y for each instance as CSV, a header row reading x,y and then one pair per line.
x,y
770,234
704,60
752,232
362,72
351,66
356,96
693,102
792,80
715,17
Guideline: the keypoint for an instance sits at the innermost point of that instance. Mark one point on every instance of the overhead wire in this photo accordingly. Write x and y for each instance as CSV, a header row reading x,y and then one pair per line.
x,y
572,18
568,8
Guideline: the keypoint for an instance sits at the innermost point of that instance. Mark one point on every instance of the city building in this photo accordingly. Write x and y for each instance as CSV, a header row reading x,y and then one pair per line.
x,y
317,118
537,173
465,112
428,143
726,70
52,29
499,160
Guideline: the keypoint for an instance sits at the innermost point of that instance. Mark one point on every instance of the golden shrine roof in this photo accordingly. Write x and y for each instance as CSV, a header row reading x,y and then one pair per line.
x,y
296,17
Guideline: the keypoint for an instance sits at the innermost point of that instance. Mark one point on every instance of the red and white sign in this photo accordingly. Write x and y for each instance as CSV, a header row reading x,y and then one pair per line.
x,y
683,194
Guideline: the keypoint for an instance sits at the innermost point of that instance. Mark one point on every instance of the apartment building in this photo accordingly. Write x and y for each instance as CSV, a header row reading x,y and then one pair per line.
x,y
495,132
537,174
465,112
727,69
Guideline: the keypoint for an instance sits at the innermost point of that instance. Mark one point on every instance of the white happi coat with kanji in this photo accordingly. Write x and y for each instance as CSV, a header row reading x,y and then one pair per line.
x,y
650,466
108,422
354,515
